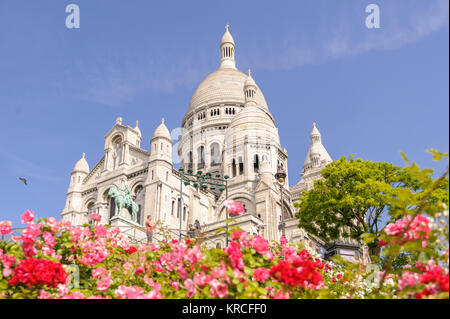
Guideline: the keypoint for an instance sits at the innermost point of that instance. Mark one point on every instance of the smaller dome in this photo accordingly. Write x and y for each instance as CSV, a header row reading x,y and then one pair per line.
x,y
82,165
227,37
249,81
253,121
162,131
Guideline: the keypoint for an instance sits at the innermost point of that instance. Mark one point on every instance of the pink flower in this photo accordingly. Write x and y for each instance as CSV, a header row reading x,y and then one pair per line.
x,y
74,295
218,289
132,292
241,236
194,255
27,217
104,283
234,207
5,228
202,279
260,244
101,231
43,294
96,217
261,274
28,249
30,233
408,278
281,295
283,241
49,239
190,286
98,272
235,255
418,229
8,262
53,224
127,265
175,285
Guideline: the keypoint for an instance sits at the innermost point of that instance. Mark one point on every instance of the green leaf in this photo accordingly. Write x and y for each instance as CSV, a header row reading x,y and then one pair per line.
x,y
368,238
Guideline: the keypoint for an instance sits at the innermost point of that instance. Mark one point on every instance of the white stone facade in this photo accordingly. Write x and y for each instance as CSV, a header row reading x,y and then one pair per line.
x,y
227,130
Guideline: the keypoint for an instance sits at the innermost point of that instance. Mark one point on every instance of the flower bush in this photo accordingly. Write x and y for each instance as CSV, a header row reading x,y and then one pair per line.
x,y
39,264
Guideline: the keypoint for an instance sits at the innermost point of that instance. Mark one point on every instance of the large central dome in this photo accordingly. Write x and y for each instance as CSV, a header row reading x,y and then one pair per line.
x,y
226,85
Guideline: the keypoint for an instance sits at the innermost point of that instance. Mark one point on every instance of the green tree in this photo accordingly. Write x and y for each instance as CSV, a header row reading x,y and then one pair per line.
x,y
357,197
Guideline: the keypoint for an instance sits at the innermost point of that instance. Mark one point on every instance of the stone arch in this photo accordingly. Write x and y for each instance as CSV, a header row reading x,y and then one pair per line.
x,y
116,137
88,201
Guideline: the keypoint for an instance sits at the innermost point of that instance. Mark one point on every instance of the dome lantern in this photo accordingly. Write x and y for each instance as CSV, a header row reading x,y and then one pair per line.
x,y
250,89
227,48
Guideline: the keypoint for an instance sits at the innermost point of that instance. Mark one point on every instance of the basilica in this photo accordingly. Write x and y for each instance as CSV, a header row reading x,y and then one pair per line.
x,y
228,130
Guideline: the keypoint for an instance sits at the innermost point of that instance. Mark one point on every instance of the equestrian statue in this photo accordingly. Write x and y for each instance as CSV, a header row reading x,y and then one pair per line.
x,y
124,201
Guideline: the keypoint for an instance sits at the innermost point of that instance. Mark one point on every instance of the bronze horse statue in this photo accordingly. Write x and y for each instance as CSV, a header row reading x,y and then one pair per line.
x,y
124,201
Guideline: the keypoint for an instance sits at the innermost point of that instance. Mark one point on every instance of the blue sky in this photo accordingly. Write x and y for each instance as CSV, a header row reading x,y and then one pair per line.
x,y
372,92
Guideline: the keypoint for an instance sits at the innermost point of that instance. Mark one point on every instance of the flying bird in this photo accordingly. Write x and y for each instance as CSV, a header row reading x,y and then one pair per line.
x,y
24,180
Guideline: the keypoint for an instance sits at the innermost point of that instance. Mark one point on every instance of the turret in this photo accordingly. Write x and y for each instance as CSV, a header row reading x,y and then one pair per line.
x,y
250,89
318,156
161,144
227,48
74,202
79,172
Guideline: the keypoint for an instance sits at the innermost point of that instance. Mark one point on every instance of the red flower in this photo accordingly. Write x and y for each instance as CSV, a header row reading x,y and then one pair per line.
x,y
131,250
300,270
33,271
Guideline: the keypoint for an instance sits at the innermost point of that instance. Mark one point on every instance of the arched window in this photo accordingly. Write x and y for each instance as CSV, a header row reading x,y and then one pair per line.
x,y
178,208
241,166
91,210
233,167
215,154
138,189
191,161
184,213
201,157
173,207
256,163
219,245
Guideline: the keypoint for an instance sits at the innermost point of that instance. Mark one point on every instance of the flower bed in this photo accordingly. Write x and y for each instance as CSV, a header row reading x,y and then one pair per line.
x,y
53,259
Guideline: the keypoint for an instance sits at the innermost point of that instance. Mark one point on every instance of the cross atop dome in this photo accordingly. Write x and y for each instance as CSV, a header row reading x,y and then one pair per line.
x,y
227,27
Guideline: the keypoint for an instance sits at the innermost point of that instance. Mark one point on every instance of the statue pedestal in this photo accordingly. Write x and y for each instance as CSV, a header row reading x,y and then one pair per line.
x,y
124,213
129,228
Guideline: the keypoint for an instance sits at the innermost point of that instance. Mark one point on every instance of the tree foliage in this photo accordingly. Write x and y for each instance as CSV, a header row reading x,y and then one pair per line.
x,y
356,198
